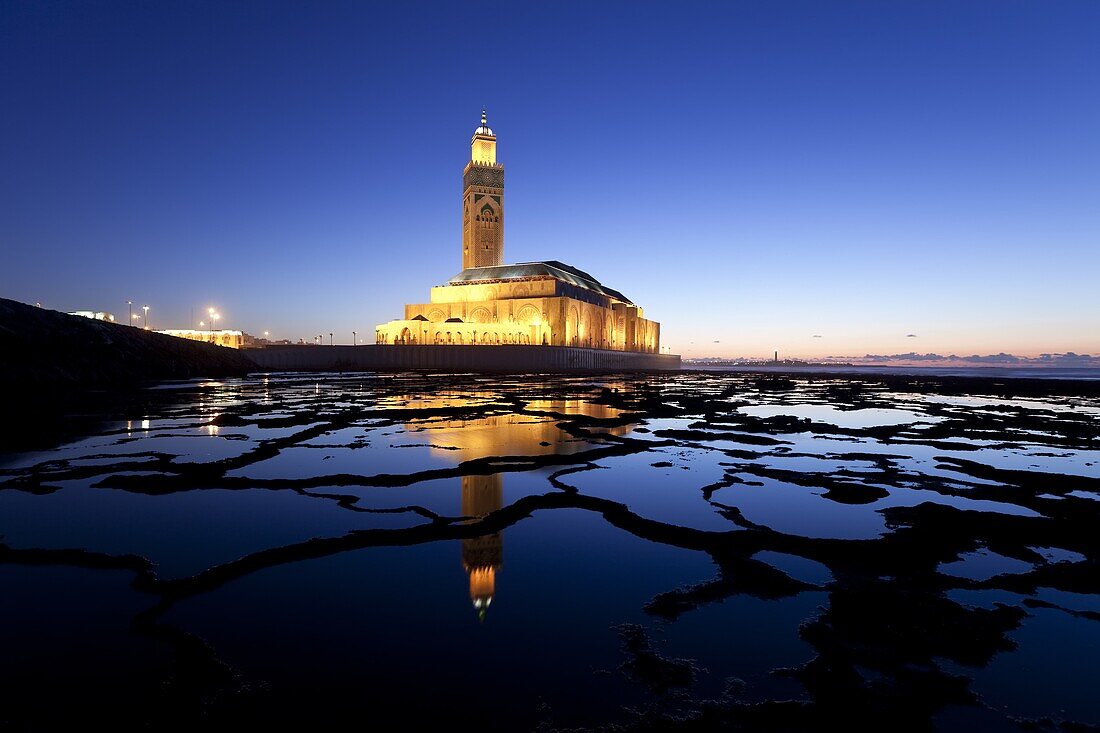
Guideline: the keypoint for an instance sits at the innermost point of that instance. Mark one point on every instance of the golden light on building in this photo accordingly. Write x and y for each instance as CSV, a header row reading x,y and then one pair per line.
x,y
230,339
483,146
546,303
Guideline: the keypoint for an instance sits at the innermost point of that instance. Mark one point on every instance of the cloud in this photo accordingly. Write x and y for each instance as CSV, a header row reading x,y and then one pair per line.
x,y
1069,359
817,335
910,335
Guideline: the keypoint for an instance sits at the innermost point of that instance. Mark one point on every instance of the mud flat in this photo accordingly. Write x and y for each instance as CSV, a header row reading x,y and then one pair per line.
x,y
687,551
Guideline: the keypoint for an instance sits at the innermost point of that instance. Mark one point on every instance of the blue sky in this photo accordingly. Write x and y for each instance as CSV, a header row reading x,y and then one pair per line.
x,y
754,174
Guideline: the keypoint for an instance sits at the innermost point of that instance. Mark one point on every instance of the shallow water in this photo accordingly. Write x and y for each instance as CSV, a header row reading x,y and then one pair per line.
x,y
483,553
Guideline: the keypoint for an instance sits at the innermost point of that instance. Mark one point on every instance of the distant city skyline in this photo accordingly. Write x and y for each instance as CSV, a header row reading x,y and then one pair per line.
x,y
825,179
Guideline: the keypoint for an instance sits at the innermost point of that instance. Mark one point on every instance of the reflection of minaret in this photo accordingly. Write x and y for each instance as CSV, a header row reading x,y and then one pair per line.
x,y
482,556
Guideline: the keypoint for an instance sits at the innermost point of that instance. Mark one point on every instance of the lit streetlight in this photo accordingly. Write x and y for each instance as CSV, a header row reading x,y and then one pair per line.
x,y
130,310
146,309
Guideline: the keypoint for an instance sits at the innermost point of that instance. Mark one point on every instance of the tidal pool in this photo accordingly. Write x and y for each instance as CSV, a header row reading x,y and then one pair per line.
x,y
690,551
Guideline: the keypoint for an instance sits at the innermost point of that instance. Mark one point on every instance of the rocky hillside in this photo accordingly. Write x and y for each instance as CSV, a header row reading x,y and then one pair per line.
x,y
43,349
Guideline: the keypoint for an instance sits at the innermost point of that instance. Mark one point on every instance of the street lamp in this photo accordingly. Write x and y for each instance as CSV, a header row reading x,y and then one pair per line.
x,y
214,320
330,338
353,338
146,309
130,310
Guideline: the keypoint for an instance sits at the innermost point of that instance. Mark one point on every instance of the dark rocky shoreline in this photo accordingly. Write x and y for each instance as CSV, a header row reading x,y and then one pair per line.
x,y
61,370
45,349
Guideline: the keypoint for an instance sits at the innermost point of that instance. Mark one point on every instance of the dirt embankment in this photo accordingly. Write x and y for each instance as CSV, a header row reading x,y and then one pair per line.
x,y
42,349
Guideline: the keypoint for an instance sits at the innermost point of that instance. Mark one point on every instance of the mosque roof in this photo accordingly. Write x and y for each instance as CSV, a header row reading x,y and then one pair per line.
x,y
550,268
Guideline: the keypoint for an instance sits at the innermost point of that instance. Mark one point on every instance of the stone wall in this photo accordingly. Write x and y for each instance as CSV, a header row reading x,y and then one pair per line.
x,y
511,358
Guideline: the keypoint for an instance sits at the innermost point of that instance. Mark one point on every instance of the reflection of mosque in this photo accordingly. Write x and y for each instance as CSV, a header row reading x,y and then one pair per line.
x,y
511,434
482,556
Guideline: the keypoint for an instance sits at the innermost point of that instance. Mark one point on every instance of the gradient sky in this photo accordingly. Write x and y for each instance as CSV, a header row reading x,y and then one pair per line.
x,y
752,173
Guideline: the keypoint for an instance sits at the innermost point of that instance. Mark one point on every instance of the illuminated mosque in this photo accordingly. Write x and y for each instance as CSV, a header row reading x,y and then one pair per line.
x,y
535,303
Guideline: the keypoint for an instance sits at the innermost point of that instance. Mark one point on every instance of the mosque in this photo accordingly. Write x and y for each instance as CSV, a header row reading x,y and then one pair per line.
x,y
537,303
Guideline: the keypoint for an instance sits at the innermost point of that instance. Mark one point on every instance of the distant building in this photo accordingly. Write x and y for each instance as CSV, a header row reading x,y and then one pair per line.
x,y
232,339
540,303
95,315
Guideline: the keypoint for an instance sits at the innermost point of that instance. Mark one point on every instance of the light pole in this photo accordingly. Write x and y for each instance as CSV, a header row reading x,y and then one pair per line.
x,y
353,341
330,338
146,309
214,320
130,311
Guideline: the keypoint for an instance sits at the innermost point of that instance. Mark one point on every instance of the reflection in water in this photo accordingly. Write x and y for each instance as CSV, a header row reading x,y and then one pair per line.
x,y
510,434
482,556
914,557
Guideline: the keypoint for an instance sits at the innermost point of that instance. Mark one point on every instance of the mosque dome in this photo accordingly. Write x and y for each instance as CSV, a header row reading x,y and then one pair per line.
x,y
484,129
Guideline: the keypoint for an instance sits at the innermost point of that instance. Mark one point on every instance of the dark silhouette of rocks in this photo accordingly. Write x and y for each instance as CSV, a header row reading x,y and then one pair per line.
x,y
48,350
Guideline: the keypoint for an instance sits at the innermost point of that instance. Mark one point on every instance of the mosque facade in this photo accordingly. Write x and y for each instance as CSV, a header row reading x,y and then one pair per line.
x,y
546,303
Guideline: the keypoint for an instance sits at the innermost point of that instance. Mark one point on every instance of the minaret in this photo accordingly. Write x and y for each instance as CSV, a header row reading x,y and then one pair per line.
x,y
483,202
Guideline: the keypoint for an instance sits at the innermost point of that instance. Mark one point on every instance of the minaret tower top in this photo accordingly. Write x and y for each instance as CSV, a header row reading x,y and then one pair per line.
x,y
483,201
483,145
